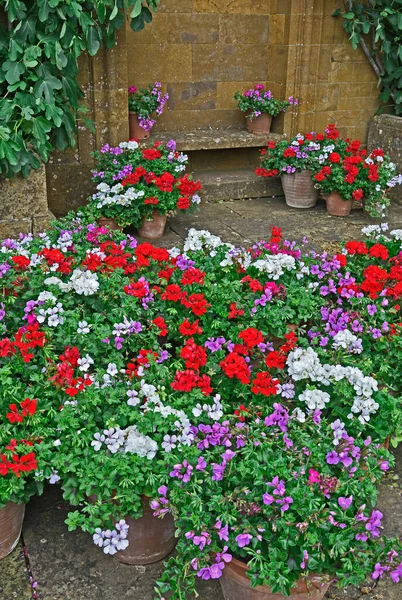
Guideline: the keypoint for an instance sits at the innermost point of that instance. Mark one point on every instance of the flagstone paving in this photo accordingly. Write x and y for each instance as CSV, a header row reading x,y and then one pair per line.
x,y
67,565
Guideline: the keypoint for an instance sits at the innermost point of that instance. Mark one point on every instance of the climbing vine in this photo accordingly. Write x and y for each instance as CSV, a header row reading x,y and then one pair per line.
x,y
40,43
376,26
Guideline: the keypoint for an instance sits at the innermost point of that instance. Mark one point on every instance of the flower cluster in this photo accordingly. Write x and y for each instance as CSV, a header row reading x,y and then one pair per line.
x,y
145,101
337,165
200,368
133,182
258,100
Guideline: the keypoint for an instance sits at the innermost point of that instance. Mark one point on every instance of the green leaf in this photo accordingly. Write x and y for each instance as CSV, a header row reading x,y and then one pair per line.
x,y
12,70
349,15
44,10
46,87
136,10
114,12
93,41
137,24
147,15
40,128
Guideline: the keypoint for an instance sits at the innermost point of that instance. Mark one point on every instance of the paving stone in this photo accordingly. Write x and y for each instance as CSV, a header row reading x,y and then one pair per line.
x,y
14,582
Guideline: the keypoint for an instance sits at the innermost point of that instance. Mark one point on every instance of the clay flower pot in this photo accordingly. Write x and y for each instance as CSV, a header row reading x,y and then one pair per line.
x,y
260,124
236,586
150,539
111,223
337,206
153,228
136,132
11,518
299,189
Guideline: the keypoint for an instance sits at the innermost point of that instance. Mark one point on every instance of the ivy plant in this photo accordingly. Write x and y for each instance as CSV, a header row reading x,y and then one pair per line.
x,y
40,43
376,26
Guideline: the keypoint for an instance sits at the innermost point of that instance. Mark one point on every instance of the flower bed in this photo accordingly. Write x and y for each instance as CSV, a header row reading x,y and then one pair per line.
x,y
152,361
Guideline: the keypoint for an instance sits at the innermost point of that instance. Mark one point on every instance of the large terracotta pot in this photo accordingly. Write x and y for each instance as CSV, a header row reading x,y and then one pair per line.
x,y
11,518
299,189
337,206
236,586
153,228
136,132
150,539
260,124
111,223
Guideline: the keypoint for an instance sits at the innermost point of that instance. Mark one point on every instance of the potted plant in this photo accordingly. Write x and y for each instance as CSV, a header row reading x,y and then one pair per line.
x,y
27,437
142,104
347,173
294,163
272,508
260,106
142,187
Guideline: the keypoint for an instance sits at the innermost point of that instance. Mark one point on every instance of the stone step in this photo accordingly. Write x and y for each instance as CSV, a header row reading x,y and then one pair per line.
x,y
236,184
213,139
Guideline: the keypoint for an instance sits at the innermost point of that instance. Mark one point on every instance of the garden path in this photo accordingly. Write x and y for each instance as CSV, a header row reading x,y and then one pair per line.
x,y
67,565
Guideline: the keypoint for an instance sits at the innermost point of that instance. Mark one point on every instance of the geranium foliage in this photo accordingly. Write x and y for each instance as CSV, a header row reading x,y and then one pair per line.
x,y
252,378
40,43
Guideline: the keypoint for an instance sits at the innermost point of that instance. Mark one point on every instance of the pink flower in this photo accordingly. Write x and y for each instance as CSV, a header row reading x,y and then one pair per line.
x,y
344,503
243,539
313,476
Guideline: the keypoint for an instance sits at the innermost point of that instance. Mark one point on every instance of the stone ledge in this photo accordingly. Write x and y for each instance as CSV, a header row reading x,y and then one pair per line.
x,y
236,184
213,139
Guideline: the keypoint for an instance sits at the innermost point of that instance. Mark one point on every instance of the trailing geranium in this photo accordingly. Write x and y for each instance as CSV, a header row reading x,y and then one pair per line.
x,y
289,500
133,182
257,101
338,165
140,347
146,101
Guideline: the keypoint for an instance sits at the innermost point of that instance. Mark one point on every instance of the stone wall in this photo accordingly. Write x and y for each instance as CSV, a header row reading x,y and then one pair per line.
x,y
23,204
203,51
386,132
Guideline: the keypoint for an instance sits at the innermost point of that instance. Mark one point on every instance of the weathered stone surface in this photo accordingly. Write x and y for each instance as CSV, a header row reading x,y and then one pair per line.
x,y
234,184
227,89
23,198
186,120
222,160
244,29
181,6
246,7
12,227
14,582
160,62
385,131
187,28
212,139
228,62
199,95
68,187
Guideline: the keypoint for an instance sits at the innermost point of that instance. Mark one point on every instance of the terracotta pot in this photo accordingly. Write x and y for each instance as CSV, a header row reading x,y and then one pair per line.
x,y
385,443
154,228
111,223
150,539
136,132
299,189
11,518
261,124
337,206
236,586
